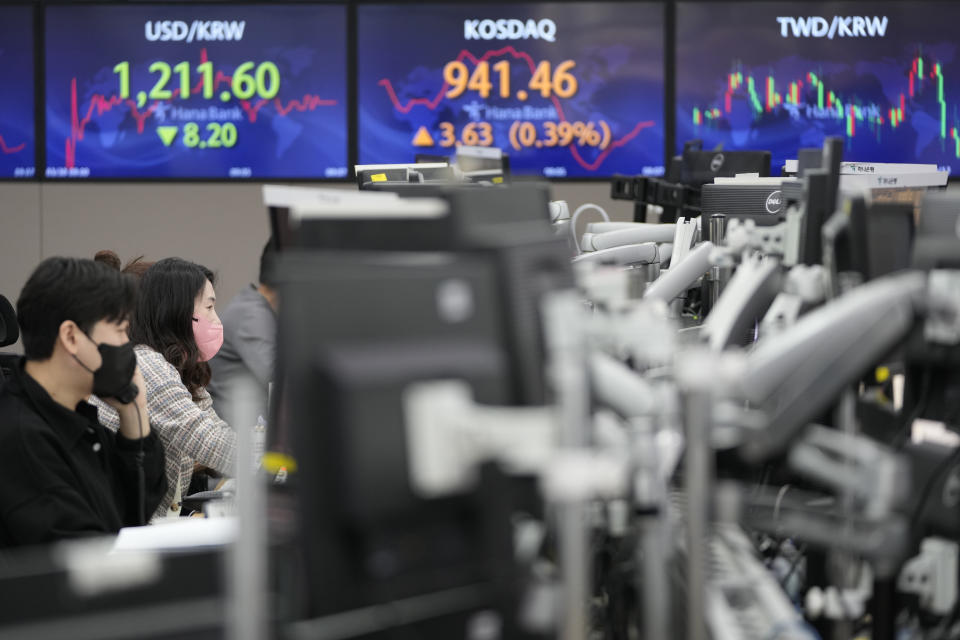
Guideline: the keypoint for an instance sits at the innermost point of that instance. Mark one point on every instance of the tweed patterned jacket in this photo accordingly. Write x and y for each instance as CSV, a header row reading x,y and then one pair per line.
x,y
190,430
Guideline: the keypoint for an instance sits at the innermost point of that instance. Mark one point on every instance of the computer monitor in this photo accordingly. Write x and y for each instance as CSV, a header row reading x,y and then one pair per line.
x,y
509,225
471,160
940,215
357,330
878,241
571,89
59,591
367,174
932,388
702,167
194,90
280,199
17,129
464,212
937,245
808,159
426,189
430,158
817,210
784,75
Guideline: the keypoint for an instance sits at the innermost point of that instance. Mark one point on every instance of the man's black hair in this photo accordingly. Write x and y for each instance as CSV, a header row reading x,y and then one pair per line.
x,y
268,261
75,289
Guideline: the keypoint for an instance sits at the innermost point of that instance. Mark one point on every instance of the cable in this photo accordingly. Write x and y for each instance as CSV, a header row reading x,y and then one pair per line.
x,y
794,565
903,435
141,477
576,214
780,496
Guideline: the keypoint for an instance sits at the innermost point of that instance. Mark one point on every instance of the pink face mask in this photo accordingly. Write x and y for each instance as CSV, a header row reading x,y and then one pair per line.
x,y
209,337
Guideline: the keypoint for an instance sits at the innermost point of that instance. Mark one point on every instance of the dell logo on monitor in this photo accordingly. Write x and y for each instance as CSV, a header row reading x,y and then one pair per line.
x,y
717,163
775,202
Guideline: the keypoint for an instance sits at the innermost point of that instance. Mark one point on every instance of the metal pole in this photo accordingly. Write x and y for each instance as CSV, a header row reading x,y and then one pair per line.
x,y
574,569
844,564
652,553
247,565
716,236
563,314
698,473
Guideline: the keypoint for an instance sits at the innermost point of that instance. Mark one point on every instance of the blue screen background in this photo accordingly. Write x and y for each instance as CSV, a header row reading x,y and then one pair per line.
x,y
301,133
866,74
617,47
17,146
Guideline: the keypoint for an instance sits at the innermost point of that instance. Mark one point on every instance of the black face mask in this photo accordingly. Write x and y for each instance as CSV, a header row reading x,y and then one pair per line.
x,y
114,377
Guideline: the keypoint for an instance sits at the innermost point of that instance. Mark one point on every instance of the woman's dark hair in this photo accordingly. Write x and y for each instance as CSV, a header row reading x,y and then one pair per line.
x,y
70,289
163,320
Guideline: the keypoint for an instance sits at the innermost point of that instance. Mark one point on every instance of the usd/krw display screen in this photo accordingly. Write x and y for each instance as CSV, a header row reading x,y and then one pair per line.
x,y
780,76
196,91
17,148
567,89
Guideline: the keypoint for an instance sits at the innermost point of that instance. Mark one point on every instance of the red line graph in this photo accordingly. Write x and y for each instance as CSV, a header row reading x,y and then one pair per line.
x,y
308,103
593,166
100,104
8,150
433,103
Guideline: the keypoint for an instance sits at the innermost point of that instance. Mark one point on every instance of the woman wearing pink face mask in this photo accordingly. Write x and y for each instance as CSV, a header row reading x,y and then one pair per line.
x,y
175,330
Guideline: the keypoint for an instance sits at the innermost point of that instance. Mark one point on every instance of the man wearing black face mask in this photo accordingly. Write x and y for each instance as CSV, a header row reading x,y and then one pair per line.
x,y
62,474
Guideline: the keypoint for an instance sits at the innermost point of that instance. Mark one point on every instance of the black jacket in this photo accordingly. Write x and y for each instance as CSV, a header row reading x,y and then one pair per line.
x,y
62,473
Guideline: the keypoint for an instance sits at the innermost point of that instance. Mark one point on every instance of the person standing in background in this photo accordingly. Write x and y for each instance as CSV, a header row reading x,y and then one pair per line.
x,y
249,352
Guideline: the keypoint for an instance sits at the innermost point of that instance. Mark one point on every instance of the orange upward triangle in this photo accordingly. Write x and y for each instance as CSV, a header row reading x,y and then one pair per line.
x,y
423,138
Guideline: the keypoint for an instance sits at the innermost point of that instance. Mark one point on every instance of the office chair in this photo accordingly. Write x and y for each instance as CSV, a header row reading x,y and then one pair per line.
x,y
9,333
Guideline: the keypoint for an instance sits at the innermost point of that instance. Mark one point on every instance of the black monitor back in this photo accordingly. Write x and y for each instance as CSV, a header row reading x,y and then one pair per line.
x,y
429,174
933,374
355,332
43,598
820,173
420,189
808,159
510,226
701,167
428,158
467,162
474,214
879,239
391,174
817,210
938,232
940,215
